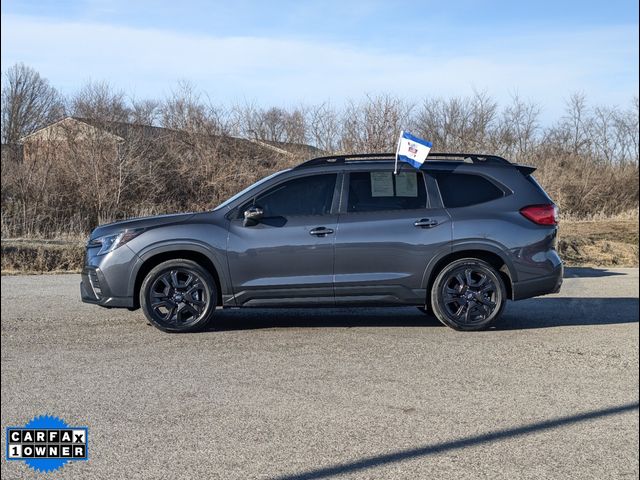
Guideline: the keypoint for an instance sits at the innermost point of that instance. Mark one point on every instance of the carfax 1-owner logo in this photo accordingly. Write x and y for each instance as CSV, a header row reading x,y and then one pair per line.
x,y
47,443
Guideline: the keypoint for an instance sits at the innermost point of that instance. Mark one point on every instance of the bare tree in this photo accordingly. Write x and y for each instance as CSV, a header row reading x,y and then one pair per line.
x,y
519,127
101,102
627,132
145,112
458,123
484,111
374,123
324,127
295,126
273,124
576,122
602,141
28,103
445,122
188,110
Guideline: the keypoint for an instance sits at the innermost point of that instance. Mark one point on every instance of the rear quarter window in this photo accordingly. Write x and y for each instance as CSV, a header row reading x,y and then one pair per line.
x,y
463,190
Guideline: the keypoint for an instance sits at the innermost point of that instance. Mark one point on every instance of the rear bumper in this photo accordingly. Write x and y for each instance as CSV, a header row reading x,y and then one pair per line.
x,y
94,289
539,286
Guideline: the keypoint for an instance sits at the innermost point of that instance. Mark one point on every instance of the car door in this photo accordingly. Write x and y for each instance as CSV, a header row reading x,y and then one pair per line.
x,y
286,257
390,226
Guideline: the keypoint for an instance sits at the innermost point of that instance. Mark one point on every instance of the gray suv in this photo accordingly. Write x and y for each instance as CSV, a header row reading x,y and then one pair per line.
x,y
456,238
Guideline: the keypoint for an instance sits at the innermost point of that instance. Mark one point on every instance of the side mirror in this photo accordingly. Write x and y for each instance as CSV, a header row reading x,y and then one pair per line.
x,y
252,216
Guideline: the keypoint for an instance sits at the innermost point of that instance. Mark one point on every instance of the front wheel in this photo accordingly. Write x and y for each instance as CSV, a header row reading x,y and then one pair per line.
x,y
178,296
468,294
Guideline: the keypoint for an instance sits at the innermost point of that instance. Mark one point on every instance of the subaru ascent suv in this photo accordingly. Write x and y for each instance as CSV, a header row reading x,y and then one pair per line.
x,y
456,238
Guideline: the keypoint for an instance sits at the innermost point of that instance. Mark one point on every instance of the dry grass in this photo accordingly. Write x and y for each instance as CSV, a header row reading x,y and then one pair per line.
x,y
41,256
628,215
599,243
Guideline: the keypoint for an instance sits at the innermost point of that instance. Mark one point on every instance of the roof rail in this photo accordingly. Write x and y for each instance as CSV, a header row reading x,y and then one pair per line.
x,y
371,157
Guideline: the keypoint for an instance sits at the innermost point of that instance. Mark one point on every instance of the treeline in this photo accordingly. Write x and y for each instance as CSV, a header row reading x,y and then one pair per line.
x,y
199,152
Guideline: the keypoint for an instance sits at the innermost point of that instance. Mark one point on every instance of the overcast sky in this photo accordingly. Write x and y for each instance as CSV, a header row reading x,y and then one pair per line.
x,y
284,53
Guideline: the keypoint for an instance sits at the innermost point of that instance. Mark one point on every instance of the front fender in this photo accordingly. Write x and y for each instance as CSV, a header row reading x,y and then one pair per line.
x,y
215,254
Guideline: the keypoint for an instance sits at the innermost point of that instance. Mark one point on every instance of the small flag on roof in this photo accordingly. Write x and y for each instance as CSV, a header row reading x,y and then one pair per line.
x,y
412,150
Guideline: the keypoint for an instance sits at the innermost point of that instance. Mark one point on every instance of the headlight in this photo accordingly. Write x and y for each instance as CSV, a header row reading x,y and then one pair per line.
x,y
109,243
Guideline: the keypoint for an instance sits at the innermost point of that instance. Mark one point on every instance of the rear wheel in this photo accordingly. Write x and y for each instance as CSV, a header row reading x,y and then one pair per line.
x,y
468,294
178,296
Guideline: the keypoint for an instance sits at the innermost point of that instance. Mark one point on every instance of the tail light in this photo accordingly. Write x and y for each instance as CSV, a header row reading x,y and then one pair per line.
x,y
541,214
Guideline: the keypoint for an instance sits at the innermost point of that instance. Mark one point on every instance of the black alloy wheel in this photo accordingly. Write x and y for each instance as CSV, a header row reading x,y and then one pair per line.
x,y
178,296
468,294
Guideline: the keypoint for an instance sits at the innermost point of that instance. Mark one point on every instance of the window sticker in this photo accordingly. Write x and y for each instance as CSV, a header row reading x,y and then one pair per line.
x,y
381,184
407,184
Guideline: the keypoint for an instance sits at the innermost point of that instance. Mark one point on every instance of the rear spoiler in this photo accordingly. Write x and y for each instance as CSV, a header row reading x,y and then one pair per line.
x,y
525,169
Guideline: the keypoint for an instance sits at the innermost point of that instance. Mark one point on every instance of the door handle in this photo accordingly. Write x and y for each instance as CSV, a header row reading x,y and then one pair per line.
x,y
425,223
321,231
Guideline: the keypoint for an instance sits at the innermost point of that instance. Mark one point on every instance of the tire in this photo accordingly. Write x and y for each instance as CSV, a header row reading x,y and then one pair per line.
x,y
179,296
468,294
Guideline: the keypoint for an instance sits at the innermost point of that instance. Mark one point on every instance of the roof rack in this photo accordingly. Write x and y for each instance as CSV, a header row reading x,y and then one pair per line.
x,y
372,157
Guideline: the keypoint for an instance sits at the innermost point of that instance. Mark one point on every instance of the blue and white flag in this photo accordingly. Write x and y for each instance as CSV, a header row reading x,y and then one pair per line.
x,y
412,150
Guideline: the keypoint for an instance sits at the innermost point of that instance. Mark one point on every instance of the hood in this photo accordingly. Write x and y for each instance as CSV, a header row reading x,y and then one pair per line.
x,y
140,222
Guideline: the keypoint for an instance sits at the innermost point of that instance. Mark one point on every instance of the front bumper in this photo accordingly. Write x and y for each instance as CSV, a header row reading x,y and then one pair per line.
x,y
95,289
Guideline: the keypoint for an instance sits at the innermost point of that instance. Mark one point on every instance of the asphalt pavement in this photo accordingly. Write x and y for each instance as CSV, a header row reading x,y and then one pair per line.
x,y
551,392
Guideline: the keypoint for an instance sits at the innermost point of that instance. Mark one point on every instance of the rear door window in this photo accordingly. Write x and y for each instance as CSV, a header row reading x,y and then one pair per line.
x,y
463,190
382,190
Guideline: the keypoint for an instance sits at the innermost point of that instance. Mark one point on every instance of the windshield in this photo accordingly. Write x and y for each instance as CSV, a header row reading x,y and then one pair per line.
x,y
250,187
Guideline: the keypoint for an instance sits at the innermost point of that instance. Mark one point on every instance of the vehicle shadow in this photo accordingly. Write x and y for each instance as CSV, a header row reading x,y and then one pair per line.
x,y
542,312
256,318
547,312
588,272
